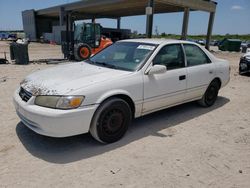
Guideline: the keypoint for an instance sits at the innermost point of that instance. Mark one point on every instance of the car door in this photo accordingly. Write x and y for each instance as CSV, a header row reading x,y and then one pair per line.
x,y
200,71
166,89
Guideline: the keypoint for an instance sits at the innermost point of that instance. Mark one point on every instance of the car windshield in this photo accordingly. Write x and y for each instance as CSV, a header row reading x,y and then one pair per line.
x,y
123,55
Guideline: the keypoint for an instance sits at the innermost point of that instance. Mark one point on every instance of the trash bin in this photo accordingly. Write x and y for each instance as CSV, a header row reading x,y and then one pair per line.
x,y
19,53
12,51
230,45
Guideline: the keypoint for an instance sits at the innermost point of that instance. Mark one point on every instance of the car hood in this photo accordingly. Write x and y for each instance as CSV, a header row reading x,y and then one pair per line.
x,y
67,78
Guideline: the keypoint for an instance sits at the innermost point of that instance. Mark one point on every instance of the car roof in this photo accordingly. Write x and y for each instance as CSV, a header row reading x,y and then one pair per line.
x,y
157,41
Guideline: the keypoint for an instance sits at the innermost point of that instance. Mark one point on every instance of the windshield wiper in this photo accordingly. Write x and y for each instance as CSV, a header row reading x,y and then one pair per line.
x,y
106,65
89,61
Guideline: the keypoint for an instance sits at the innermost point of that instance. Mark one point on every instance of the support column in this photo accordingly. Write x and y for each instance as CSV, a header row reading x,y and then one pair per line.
x,y
185,24
210,29
150,17
71,29
93,20
66,55
61,16
118,23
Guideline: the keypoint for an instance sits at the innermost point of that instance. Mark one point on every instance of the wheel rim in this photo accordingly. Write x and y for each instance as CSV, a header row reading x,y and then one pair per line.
x,y
113,121
84,52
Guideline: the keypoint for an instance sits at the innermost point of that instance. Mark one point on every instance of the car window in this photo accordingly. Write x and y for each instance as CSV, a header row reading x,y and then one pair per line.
x,y
195,56
171,56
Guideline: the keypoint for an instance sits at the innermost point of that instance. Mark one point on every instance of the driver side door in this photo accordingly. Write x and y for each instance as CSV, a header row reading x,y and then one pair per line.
x,y
166,89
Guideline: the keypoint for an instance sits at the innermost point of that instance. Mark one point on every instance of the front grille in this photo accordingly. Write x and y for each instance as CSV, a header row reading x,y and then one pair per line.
x,y
25,95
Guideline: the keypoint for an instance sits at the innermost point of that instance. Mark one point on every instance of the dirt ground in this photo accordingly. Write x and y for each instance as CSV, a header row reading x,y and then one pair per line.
x,y
184,146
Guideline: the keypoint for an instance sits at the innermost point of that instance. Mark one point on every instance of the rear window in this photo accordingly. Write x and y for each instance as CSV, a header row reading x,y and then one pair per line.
x,y
195,55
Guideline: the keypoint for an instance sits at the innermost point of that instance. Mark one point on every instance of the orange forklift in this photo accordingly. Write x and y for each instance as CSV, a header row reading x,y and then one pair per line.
x,y
85,40
81,40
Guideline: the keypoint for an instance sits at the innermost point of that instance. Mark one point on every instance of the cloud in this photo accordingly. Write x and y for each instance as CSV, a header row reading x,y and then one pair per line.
x,y
236,7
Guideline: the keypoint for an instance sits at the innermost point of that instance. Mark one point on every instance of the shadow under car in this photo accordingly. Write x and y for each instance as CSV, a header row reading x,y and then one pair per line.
x,y
71,149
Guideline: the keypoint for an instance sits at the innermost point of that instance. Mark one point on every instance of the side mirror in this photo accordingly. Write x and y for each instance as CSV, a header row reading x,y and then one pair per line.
x,y
157,69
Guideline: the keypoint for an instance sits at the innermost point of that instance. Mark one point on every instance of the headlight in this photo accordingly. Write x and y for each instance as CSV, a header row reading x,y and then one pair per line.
x,y
59,102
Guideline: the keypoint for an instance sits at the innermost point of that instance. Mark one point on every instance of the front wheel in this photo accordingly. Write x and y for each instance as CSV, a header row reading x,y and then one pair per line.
x,y
210,95
111,121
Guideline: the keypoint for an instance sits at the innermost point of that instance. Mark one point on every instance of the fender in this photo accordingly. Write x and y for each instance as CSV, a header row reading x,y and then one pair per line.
x,y
137,104
111,93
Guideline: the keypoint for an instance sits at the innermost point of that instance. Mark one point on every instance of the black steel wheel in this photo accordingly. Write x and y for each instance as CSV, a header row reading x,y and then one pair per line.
x,y
111,121
210,95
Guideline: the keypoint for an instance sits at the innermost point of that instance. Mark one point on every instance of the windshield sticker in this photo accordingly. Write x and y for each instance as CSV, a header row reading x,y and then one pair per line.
x,y
146,47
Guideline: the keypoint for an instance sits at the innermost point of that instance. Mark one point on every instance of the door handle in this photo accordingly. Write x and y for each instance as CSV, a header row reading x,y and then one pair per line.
x,y
182,77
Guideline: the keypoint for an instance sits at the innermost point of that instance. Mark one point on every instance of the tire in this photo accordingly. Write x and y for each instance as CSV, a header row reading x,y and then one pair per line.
x,y
82,52
210,95
240,73
240,70
111,121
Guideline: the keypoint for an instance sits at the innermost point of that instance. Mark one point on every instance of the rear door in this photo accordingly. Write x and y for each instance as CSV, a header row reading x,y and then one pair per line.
x,y
200,71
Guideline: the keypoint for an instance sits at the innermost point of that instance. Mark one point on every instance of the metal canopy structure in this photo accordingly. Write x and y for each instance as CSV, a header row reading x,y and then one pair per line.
x,y
115,9
122,8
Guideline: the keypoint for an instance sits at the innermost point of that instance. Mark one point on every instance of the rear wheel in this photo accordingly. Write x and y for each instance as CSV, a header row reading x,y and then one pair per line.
x,y
210,95
111,121
82,52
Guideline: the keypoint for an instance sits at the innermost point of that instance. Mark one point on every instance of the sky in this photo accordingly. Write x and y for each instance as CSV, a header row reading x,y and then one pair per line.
x,y
232,16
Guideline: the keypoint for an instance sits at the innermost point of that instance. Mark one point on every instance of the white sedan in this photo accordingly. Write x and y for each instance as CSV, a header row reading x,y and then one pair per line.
x,y
127,80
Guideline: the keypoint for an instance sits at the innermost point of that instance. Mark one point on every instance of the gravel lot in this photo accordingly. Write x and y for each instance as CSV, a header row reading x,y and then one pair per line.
x,y
184,146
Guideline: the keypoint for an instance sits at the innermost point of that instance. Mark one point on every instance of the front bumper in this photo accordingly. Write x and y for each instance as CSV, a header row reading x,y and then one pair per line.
x,y
244,66
53,122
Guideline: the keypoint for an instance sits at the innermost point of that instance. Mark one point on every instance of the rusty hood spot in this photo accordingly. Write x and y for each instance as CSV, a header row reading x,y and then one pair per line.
x,y
36,88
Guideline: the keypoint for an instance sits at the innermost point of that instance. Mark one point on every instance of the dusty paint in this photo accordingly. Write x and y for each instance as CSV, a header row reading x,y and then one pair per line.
x,y
63,79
